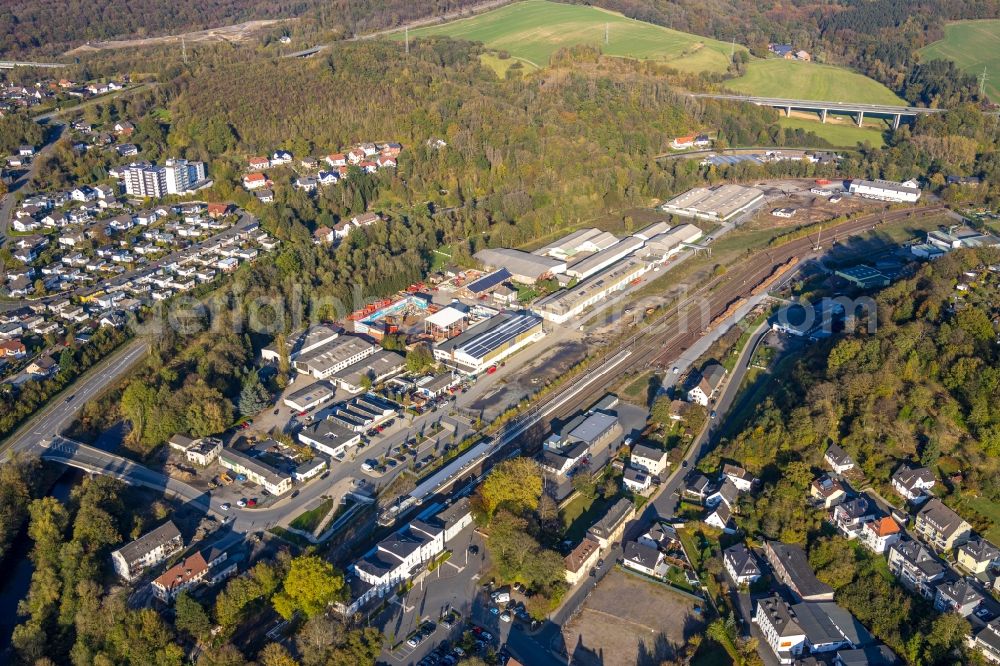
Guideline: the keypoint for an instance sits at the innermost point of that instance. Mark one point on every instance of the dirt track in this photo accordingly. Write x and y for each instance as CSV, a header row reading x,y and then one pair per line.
x,y
228,33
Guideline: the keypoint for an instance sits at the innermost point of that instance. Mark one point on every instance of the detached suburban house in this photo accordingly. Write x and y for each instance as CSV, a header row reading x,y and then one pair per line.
x,y
742,479
878,535
742,564
708,383
644,559
838,459
913,484
647,459
977,556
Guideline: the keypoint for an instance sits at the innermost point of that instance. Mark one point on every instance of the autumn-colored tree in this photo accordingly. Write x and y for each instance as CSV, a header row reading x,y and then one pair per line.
x,y
311,585
516,482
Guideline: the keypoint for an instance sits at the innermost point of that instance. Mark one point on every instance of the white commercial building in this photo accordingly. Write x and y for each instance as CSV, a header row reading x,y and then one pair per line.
x,y
489,342
400,556
329,437
327,359
595,263
886,190
274,481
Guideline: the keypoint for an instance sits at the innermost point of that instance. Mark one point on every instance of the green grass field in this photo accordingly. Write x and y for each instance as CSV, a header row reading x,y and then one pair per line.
x,y
840,135
791,79
534,29
973,45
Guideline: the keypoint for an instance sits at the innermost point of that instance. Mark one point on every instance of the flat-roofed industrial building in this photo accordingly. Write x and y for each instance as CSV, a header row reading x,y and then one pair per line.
x,y
490,342
565,304
718,204
333,356
665,245
597,262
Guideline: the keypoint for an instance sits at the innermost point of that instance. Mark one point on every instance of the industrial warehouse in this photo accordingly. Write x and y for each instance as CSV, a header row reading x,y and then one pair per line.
x,y
717,204
646,249
490,342
886,190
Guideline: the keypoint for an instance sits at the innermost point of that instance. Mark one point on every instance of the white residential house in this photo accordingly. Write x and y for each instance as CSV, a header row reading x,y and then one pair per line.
x,y
957,596
742,564
648,459
913,483
741,478
644,559
721,518
636,481
878,535
708,384
838,459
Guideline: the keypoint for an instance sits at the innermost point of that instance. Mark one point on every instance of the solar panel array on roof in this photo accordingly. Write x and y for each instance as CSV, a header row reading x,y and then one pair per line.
x,y
488,281
515,325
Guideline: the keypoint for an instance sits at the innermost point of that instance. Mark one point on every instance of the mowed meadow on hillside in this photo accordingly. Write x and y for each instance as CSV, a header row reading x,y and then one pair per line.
x,y
973,46
535,29
792,79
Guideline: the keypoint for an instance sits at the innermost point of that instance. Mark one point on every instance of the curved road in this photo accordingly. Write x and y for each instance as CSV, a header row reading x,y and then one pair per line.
x,y
62,409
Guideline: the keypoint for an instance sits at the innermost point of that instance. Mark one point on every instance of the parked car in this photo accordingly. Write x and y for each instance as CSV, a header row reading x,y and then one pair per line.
x,y
242,502
225,506
505,616
252,502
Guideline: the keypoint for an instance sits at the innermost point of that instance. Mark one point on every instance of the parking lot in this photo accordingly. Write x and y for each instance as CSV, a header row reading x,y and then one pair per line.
x,y
452,586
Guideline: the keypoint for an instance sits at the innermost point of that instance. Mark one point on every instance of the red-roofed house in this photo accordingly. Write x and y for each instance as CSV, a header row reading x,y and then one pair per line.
x,y
879,534
368,166
355,156
386,161
258,163
180,577
323,234
12,349
218,209
254,181
336,159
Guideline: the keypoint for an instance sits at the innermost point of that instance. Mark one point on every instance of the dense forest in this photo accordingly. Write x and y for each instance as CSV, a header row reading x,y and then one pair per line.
x,y
923,390
17,130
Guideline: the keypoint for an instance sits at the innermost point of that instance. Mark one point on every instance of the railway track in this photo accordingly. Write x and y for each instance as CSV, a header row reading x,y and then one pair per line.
x,y
662,342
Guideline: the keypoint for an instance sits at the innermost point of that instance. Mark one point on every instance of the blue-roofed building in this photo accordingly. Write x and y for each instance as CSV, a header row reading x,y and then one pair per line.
x,y
786,51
